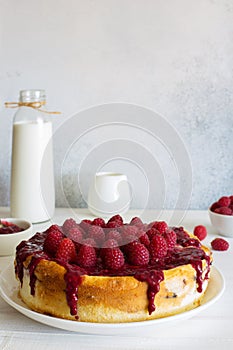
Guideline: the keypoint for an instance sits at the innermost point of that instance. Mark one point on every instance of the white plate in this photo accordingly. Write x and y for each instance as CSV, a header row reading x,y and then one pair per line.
x,y
9,292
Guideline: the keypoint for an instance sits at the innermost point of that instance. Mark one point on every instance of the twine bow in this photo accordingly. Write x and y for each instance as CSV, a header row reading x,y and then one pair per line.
x,y
35,105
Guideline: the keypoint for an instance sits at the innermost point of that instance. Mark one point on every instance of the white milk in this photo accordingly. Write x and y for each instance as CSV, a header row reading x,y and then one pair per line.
x,y
32,177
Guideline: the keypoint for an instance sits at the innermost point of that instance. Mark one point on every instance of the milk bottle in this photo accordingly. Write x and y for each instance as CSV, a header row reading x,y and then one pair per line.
x,y
32,176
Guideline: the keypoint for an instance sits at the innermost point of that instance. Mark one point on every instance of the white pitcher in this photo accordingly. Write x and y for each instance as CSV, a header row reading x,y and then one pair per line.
x,y
109,194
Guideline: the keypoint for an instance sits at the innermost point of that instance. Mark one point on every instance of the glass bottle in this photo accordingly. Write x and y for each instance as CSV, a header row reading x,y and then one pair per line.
x,y
32,175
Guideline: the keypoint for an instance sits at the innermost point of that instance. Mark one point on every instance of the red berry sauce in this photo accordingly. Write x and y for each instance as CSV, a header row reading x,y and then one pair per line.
x,y
186,251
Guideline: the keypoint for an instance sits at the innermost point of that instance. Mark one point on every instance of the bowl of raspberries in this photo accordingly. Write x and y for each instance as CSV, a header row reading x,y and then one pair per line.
x,y
221,215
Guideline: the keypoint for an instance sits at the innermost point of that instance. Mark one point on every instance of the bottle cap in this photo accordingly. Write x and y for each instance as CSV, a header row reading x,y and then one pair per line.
x,y
32,96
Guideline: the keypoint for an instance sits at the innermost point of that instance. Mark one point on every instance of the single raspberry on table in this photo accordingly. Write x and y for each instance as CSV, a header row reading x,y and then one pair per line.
x,y
161,226
224,201
66,250
68,224
98,222
200,232
138,255
158,247
113,258
171,238
86,256
97,233
219,244
52,241
223,211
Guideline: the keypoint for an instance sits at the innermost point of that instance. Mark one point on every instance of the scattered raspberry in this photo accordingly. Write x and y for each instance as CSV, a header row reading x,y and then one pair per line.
x,y
170,237
161,226
158,247
68,224
224,201
223,211
200,232
152,232
86,256
66,250
98,222
116,218
52,241
219,244
139,255
113,258
97,233
144,239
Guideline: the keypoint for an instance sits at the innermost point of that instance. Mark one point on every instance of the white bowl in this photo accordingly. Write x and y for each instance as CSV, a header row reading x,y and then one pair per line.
x,y
222,223
9,241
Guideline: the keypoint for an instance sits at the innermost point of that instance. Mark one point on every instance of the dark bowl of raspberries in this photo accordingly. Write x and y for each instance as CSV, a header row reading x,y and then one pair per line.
x,y
12,232
221,215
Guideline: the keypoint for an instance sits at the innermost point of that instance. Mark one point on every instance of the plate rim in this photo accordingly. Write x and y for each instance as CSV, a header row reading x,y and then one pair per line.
x,y
101,328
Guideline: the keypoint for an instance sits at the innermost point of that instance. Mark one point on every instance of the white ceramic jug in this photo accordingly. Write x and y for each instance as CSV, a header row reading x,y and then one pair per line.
x,y
109,194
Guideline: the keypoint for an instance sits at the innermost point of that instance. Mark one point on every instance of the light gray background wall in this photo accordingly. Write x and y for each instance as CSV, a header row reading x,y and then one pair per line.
x,y
174,57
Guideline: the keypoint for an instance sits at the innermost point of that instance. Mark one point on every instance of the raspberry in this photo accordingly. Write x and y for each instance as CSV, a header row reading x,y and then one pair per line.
x,y
85,224
66,250
200,232
113,258
98,222
224,201
110,243
223,211
52,241
86,256
97,233
114,234
113,224
116,218
219,244
138,255
75,234
152,232
170,238
158,247
128,230
161,226
68,224
214,206
231,198
53,228
136,221
144,239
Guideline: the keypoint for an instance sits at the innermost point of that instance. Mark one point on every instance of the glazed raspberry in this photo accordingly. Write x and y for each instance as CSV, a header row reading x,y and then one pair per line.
x,y
158,247
86,256
138,255
113,258
152,232
224,201
76,234
223,211
161,226
170,237
52,241
68,224
66,250
98,222
219,244
200,232
97,233
144,239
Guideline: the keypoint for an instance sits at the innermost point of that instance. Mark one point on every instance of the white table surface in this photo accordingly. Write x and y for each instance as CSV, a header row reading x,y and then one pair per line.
x,y
210,329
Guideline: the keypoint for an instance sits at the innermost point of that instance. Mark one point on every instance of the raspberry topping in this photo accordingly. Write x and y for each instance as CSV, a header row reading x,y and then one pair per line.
x,y
66,250
200,232
98,222
219,244
171,238
113,258
96,233
158,247
52,241
68,224
86,256
76,234
161,226
139,255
